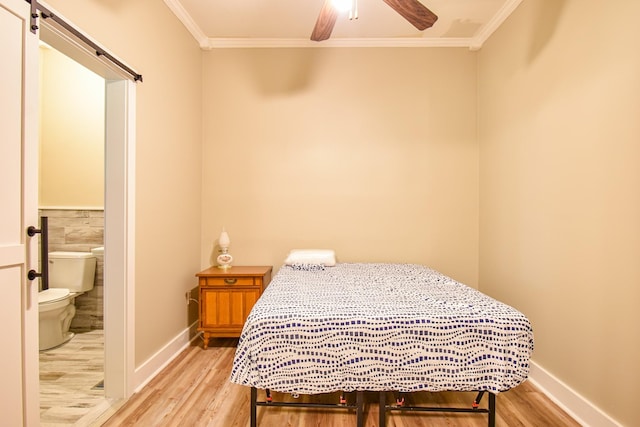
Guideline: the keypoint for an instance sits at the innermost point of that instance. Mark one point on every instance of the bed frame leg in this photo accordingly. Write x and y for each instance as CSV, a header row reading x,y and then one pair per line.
x,y
492,410
476,403
382,409
254,399
359,408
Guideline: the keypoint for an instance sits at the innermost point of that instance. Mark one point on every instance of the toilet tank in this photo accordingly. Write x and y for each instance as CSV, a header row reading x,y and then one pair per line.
x,y
72,270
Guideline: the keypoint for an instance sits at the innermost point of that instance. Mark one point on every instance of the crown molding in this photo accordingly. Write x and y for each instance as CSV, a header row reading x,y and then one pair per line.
x,y
218,43
176,7
497,20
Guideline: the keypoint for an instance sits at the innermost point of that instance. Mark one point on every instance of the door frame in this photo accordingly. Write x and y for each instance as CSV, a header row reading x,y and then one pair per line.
x,y
119,254
119,208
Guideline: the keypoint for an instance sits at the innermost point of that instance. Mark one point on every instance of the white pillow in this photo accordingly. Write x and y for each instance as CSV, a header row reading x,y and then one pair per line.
x,y
326,257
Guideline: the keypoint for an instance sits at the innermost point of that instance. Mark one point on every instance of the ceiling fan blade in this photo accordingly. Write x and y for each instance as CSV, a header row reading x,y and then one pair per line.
x,y
414,12
326,21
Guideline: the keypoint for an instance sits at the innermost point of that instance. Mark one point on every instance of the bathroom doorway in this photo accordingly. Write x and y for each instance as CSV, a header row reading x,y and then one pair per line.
x,y
71,196
118,218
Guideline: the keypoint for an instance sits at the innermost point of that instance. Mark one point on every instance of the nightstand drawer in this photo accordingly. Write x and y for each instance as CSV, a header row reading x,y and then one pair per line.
x,y
230,281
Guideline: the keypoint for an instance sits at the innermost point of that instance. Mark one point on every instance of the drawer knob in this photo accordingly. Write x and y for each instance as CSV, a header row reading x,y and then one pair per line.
x,y
231,281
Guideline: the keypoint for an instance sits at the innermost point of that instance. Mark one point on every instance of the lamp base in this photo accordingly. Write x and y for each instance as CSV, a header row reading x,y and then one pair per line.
x,y
224,260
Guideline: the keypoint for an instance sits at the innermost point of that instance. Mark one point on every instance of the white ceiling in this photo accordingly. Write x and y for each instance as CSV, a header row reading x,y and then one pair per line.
x,y
288,23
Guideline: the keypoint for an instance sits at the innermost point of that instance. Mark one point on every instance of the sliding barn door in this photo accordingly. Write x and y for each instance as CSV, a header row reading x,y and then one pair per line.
x,y
18,210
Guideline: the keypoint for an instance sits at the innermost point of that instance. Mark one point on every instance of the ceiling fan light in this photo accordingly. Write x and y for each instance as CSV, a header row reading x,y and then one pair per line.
x,y
342,5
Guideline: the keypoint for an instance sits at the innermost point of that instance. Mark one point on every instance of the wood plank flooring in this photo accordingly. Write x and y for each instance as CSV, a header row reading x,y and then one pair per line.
x,y
69,379
194,390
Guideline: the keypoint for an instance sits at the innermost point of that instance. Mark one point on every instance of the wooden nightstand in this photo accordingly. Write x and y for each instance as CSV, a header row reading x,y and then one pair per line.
x,y
226,298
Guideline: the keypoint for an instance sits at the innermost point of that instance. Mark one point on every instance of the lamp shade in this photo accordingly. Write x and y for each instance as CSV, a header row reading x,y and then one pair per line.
x,y
224,240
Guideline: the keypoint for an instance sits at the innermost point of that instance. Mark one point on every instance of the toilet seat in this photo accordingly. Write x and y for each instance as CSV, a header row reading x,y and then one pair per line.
x,y
52,295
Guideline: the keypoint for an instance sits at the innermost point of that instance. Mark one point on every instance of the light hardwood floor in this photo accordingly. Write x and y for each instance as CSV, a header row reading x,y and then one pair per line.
x,y
194,390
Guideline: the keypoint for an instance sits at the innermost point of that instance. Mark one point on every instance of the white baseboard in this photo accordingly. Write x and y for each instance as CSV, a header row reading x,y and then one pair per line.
x,y
156,363
579,408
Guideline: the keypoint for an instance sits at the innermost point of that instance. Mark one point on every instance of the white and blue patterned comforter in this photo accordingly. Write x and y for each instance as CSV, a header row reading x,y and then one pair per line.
x,y
380,327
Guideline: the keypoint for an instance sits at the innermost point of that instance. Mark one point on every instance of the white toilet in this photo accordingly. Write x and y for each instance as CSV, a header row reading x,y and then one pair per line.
x,y
70,274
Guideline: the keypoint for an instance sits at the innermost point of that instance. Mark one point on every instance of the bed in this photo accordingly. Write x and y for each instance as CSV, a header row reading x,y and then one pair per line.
x,y
356,327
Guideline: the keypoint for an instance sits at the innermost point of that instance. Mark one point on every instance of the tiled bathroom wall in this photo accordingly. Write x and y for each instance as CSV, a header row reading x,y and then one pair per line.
x,y
80,231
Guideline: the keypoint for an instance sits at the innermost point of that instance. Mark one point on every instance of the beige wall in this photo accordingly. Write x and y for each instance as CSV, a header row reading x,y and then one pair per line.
x,y
371,152
374,152
71,133
148,37
559,195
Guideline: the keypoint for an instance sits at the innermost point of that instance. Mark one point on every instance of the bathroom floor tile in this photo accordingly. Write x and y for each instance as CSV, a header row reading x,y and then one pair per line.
x,y
68,378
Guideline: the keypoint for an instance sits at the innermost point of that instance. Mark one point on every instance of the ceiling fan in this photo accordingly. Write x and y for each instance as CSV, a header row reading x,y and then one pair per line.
x,y
411,10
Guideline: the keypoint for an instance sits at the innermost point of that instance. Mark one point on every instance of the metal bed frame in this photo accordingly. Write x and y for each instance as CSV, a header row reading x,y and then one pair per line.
x,y
400,406
342,404
358,406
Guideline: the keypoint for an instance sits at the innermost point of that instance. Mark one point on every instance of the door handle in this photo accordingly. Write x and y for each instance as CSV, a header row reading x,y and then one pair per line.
x,y
44,252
